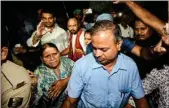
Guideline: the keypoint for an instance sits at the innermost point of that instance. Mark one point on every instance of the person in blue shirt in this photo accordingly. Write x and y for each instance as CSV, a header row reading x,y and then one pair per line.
x,y
87,39
105,78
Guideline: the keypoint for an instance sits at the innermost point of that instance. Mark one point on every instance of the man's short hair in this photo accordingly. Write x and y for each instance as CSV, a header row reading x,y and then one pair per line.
x,y
106,25
47,10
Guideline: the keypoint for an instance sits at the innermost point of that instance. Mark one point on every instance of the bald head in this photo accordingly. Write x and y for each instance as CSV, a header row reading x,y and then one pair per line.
x,y
73,25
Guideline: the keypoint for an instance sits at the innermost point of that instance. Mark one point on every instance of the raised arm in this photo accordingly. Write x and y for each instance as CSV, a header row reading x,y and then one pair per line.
x,y
146,16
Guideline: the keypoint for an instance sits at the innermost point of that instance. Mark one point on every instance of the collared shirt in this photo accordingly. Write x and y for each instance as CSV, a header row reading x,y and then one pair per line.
x,y
46,76
126,32
58,36
99,88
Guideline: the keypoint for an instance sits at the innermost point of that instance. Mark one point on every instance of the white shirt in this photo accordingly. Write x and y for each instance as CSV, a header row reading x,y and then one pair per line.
x,y
128,32
58,36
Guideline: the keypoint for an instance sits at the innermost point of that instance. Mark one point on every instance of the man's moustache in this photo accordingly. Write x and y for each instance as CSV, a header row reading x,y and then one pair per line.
x,y
72,30
139,35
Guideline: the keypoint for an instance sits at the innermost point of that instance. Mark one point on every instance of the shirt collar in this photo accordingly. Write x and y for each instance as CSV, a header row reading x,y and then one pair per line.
x,y
95,63
118,66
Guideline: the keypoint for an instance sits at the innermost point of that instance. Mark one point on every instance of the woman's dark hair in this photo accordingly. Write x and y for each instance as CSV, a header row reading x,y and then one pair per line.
x,y
46,45
107,25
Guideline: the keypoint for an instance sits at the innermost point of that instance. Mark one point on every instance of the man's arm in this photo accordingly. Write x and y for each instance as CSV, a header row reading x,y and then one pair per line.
x,y
74,88
70,102
141,103
147,17
65,52
33,41
38,34
57,87
152,52
145,53
135,49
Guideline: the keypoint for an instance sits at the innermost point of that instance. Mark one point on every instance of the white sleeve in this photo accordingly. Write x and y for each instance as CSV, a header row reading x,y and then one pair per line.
x,y
66,39
131,32
30,41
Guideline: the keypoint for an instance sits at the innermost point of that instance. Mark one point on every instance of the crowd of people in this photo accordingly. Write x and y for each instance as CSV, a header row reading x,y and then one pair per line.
x,y
95,63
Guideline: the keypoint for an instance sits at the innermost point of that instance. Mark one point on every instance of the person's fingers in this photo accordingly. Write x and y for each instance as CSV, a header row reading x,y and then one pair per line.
x,y
115,2
40,24
34,81
55,83
165,39
159,49
53,93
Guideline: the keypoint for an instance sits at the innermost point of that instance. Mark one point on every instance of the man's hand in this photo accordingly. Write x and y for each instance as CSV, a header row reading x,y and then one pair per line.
x,y
84,11
34,79
41,30
165,40
162,46
79,51
57,88
120,1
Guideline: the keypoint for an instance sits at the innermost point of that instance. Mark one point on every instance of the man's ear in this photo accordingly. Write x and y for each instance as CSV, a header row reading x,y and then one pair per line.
x,y
119,43
4,53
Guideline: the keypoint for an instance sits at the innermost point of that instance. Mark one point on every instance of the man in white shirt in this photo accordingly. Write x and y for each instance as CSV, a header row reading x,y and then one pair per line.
x,y
48,31
126,30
